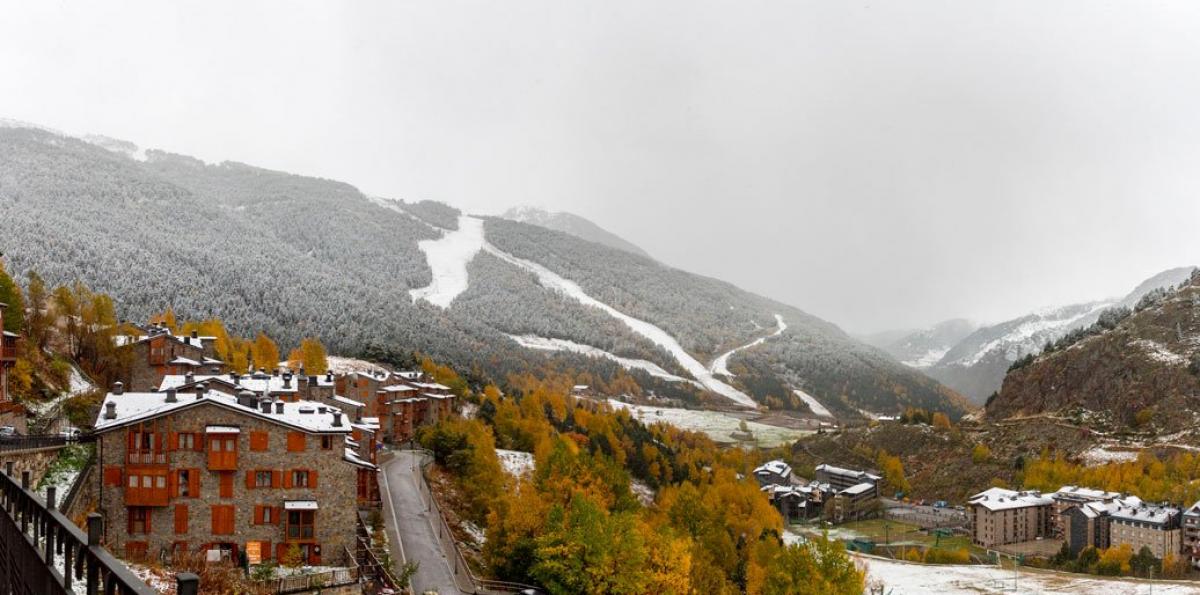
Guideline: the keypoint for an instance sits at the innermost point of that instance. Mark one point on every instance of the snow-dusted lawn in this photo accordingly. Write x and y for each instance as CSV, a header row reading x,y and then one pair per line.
x,y
1098,455
448,257
346,365
545,344
719,426
551,280
721,364
515,462
812,403
901,578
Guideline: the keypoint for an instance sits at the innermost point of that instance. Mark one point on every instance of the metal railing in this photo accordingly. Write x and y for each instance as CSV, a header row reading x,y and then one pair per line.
x,y
462,571
41,551
11,443
368,561
85,475
338,577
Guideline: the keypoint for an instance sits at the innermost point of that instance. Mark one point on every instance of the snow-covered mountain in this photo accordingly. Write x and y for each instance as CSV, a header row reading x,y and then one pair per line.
x,y
976,365
572,224
925,347
296,256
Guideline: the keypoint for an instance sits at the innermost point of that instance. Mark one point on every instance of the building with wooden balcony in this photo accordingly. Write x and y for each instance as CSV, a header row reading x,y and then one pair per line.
x,y
202,470
8,355
160,353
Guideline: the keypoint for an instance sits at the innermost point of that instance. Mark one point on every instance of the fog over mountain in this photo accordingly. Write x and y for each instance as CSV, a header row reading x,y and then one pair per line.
x,y
885,165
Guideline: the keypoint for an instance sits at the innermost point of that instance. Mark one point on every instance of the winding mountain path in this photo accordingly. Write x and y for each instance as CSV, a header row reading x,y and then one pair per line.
x,y
721,364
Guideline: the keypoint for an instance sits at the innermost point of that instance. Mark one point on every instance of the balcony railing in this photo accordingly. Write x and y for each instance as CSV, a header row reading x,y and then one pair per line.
x,y
146,457
42,551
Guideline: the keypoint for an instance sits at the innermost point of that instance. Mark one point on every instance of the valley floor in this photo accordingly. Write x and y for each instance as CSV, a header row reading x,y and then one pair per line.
x,y
905,578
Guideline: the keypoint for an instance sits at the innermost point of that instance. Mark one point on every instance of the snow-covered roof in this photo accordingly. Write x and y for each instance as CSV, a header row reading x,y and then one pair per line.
x,y
345,401
776,467
847,472
352,457
1143,513
13,335
430,386
858,488
183,361
778,491
1078,493
1004,499
212,360
399,388
436,396
257,382
134,407
222,430
300,505
410,374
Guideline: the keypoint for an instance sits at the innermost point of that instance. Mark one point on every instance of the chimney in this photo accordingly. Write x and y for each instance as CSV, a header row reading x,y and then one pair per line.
x,y
233,376
287,380
110,410
171,396
195,334
246,399
337,419
201,389
189,377
279,407
321,410
302,370
328,376
266,406
312,380
118,388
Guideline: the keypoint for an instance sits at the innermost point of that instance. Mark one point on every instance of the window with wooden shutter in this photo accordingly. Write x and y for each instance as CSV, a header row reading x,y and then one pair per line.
x,y
295,442
300,478
226,484
181,518
112,476
194,482
258,514
259,441
173,484
222,519
173,441
287,479
139,520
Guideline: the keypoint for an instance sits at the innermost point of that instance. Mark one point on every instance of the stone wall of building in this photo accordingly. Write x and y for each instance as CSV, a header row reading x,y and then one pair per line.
x,y
335,490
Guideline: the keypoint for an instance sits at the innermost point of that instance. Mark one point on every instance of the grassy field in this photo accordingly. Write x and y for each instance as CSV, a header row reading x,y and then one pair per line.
x,y
882,531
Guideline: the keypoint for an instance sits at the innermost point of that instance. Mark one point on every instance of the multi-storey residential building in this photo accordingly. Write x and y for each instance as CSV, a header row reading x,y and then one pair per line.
x,y
1154,526
998,516
774,473
841,479
1190,526
367,387
205,471
159,353
857,502
1089,522
283,386
1073,496
8,355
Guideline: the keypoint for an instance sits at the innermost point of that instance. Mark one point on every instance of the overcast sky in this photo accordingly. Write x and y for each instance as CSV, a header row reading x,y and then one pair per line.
x,y
880,165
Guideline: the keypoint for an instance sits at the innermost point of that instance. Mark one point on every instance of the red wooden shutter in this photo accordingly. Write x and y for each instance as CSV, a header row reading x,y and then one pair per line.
x,y
258,515
173,484
112,476
194,483
278,516
280,551
266,549
226,484
312,478
198,442
250,479
287,479
276,480
173,441
181,518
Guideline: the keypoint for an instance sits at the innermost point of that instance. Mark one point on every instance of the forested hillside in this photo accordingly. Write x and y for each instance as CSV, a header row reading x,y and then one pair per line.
x,y
296,256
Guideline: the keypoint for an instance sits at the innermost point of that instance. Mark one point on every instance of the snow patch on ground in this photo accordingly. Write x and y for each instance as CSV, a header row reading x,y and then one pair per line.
x,y
346,365
721,364
812,403
927,359
448,257
77,385
479,536
903,578
643,492
719,426
1159,352
545,344
1098,455
658,336
515,462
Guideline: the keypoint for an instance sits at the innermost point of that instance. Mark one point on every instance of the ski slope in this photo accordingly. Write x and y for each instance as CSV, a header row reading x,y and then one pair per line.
x,y
448,257
721,364
545,344
812,403
551,280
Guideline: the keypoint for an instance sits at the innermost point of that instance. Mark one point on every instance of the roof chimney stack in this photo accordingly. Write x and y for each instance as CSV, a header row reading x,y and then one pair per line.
x,y
118,388
171,396
195,334
110,410
328,376
266,406
279,407
337,419
246,399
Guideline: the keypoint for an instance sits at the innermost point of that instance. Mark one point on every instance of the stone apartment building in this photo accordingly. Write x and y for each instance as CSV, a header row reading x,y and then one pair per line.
x,y
8,355
205,471
1074,496
998,516
160,353
1154,526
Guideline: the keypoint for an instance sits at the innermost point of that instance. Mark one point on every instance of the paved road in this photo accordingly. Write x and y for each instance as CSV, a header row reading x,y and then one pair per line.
x,y
413,537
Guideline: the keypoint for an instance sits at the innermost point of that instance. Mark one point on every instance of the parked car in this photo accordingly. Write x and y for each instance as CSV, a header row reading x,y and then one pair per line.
x,y
71,433
8,432
960,508
939,504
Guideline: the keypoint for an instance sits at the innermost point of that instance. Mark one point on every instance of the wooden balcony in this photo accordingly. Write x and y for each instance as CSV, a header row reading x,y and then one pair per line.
x,y
146,486
222,452
8,352
146,457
